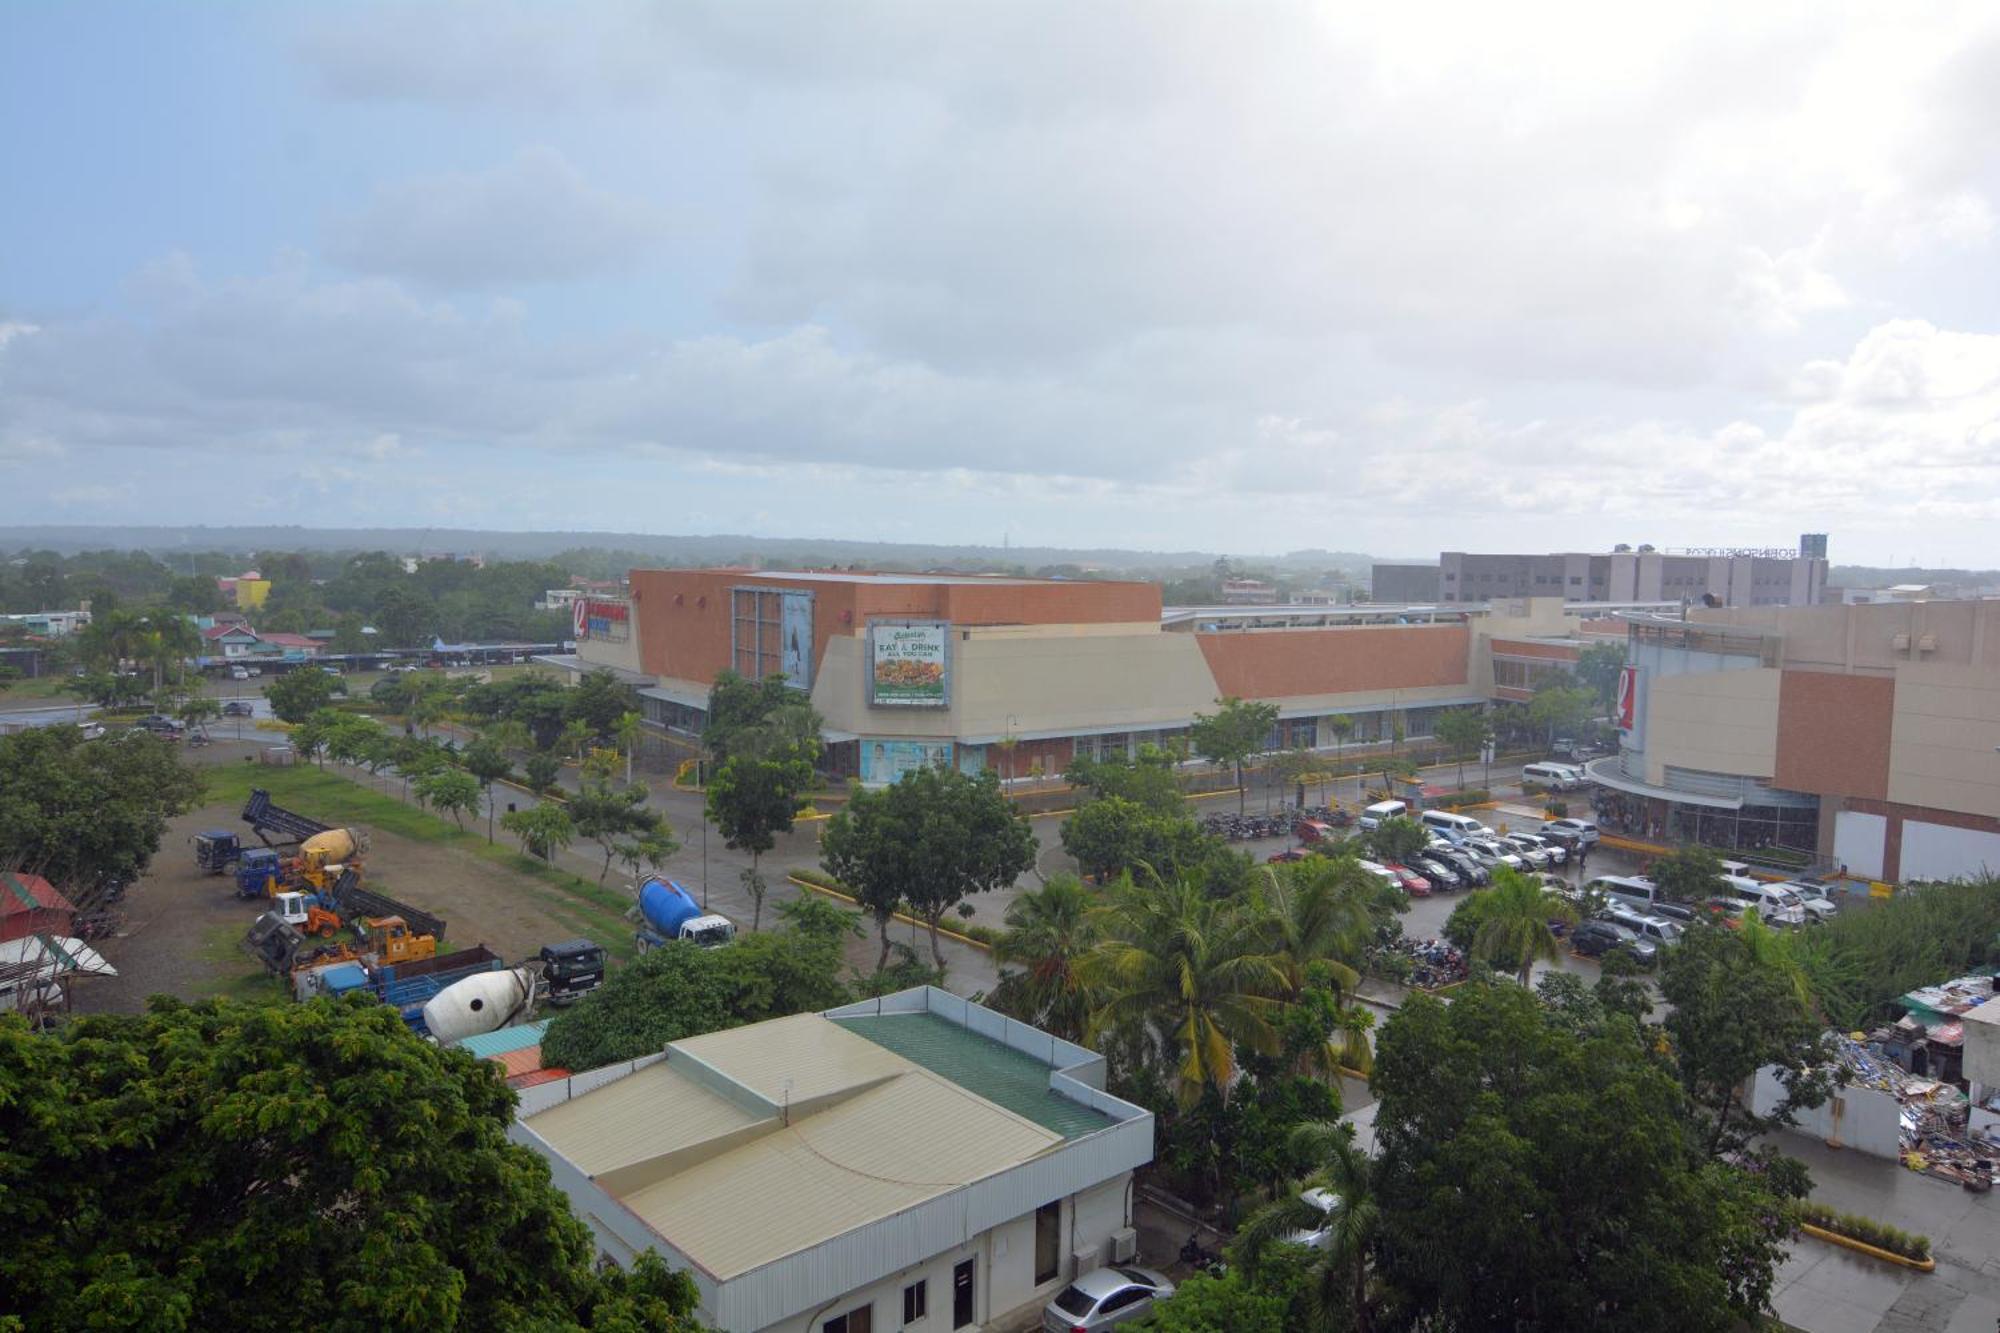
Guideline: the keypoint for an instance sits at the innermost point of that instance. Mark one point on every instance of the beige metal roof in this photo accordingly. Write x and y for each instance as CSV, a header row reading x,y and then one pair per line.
x,y
884,1149
811,1054
654,1111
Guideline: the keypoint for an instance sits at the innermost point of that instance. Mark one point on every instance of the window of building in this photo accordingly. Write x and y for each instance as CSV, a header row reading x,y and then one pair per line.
x,y
861,1319
1048,1242
916,1301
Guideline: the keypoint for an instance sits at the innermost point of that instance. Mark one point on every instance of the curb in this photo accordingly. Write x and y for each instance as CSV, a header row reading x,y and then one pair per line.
x,y
1863,1247
903,917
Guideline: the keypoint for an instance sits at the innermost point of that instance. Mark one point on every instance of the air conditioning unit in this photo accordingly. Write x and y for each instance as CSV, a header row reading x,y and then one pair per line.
x,y
1927,644
1124,1245
1901,643
1086,1259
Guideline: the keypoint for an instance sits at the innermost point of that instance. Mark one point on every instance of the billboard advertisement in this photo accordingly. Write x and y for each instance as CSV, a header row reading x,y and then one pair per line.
x,y
607,622
908,664
884,762
1627,708
795,639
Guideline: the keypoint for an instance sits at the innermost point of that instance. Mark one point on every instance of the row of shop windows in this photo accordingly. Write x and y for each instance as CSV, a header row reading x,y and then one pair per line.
x,y
1513,673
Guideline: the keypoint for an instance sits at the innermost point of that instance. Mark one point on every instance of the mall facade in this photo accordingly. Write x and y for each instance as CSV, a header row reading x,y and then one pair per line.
x,y
1022,675
1868,735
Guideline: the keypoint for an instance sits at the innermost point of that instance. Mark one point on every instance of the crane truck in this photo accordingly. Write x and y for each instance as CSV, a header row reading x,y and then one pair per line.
x,y
668,912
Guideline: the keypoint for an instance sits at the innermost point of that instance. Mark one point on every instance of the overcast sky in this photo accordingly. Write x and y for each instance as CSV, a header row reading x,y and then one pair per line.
x,y
1240,276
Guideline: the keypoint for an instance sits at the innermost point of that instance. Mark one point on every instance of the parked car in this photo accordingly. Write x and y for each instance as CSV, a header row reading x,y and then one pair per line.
x,y
1493,852
1536,858
92,730
1467,866
1434,869
1413,884
1288,855
1105,1298
1558,854
1581,829
1597,937
1820,908
1662,932
1321,1236
1382,873
159,724
238,708
239,673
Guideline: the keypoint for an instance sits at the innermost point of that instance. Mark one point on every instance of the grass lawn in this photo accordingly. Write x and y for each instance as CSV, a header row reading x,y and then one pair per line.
x,y
237,975
580,905
42,689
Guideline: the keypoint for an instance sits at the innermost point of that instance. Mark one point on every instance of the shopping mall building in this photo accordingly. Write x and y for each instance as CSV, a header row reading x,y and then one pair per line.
x,y
1866,734
1023,674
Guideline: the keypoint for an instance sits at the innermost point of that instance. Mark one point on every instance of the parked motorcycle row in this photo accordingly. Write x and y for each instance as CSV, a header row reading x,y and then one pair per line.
x,y
1249,828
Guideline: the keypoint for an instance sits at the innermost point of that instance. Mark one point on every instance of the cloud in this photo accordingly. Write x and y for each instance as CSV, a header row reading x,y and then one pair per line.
x,y
532,219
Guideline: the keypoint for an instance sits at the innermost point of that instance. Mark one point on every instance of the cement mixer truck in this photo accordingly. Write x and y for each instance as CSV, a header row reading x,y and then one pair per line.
x,y
668,912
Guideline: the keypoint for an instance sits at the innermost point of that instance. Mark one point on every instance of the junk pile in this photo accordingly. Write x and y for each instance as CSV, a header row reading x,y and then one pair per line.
x,y
1934,1137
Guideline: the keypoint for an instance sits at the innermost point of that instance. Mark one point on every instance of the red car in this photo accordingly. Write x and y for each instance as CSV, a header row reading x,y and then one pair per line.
x,y
1289,854
1413,884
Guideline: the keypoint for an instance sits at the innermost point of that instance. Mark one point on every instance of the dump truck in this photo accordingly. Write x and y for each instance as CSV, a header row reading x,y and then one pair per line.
x,y
668,912
218,850
406,987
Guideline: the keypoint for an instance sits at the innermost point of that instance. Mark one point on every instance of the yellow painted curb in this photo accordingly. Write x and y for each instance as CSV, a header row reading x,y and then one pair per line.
x,y
1863,1247
906,919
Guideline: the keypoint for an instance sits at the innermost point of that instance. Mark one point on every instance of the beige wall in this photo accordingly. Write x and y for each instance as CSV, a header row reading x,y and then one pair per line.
x,y
1862,639
601,652
1942,738
1053,680
1719,722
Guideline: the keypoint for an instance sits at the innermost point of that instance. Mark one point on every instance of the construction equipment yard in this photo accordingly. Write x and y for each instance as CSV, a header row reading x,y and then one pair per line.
x,y
183,928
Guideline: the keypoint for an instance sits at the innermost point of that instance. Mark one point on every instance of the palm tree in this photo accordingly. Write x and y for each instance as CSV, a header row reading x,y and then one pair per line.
x,y
1518,911
627,732
1767,948
1339,1269
1048,931
1319,913
1196,973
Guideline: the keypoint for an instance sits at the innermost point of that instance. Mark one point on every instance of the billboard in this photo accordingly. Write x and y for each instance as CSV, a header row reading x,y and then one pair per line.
x,y
909,664
885,762
1627,709
607,622
795,639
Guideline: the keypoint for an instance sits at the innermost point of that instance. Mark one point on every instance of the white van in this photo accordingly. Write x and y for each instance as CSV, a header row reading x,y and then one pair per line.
x,y
1631,890
1557,777
1372,817
1776,904
1452,826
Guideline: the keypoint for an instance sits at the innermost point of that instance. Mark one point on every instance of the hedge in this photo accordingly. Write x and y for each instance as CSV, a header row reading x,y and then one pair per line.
x,y
1452,800
1866,1230
818,878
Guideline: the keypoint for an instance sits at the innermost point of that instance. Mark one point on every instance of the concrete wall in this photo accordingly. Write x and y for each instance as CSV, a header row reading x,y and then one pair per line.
x,y
1274,664
1942,851
1946,725
1860,842
1859,1118
1718,722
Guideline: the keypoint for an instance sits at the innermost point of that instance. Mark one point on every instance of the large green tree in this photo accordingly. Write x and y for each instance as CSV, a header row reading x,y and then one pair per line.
x,y
1462,731
1237,729
1189,974
1336,1294
1735,1007
1689,875
284,1167
1147,780
613,816
301,692
753,800
737,706
1598,666
1517,923
1531,1176
599,700
87,814
681,990
929,841
1048,931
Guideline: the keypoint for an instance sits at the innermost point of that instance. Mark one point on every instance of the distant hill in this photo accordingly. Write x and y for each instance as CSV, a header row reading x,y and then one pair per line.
x,y
1874,576
725,548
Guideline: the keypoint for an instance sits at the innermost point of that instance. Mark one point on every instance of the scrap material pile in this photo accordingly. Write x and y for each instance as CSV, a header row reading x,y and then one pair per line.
x,y
1933,1134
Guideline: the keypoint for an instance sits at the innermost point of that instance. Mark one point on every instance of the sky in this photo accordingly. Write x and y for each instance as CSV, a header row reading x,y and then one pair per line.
x,y
1239,276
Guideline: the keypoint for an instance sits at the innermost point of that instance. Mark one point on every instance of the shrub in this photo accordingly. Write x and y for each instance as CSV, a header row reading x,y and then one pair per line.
x,y
1866,1230
1452,800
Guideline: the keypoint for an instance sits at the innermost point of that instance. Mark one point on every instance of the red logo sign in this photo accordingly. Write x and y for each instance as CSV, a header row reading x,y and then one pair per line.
x,y
580,618
1628,697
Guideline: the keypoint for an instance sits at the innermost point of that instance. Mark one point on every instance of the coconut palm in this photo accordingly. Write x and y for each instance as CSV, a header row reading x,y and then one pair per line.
x,y
1338,1270
1518,911
1197,974
1048,931
1319,913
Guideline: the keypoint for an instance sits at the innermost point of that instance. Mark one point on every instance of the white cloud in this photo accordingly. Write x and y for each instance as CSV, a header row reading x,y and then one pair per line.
x,y
532,219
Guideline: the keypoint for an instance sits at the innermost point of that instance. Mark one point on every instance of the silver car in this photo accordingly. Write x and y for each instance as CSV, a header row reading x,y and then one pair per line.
x,y
1558,854
1538,858
1104,1298
1319,1237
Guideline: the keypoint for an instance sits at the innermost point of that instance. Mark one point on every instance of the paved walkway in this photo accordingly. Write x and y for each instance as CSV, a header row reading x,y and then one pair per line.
x,y
1824,1288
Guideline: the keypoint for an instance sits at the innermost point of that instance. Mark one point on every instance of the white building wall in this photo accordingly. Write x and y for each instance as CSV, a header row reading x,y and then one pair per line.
x,y
1942,851
1859,1118
1858,842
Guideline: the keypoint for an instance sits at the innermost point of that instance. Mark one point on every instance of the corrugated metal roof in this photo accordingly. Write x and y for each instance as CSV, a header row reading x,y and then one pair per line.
x,y
524,1061
489,1044
796,1059
530,1080
654,1111
998,1073
885,1149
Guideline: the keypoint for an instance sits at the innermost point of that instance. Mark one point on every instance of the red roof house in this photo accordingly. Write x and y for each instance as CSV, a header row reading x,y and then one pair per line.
x,y
30,905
